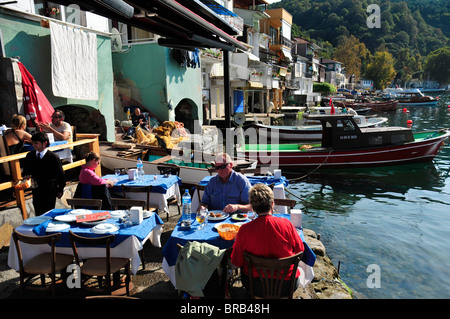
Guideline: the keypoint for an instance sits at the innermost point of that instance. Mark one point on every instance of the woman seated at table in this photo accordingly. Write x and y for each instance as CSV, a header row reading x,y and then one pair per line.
x,y
267,236
17,136
91,185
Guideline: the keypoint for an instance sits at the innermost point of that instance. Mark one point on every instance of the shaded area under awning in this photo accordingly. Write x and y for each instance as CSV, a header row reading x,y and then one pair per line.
x,y
178,24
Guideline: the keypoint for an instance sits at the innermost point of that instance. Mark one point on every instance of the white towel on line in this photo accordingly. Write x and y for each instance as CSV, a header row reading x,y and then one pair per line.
x,y
74,62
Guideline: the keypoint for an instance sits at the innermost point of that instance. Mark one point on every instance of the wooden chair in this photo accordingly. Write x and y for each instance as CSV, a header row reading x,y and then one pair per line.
x,y
101,266
199,188
90,203
125,203
271,275
171,170
42,264
141,189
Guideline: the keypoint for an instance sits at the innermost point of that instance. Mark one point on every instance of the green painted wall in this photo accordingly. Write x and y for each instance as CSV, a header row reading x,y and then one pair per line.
x,y
153,78
31,42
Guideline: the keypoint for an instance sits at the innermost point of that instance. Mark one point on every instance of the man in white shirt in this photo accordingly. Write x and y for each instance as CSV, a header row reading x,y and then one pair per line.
x,y
62,131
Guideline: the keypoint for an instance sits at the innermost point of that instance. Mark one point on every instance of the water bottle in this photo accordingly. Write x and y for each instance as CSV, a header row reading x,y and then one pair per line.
x,y
140,169
186,211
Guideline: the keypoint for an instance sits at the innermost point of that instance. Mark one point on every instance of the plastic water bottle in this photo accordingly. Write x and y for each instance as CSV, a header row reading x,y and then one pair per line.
x,y
186,211
140,169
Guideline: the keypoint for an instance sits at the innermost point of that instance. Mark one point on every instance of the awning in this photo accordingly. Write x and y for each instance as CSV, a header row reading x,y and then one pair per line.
x,y
287,54
181,26
253,84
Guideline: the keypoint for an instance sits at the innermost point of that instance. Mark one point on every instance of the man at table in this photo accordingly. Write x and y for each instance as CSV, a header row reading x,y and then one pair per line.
x,y
62,131
266,236
228,190
45,168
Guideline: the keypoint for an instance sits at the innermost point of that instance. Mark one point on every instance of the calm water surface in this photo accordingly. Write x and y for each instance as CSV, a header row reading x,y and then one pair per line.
x,y
396,218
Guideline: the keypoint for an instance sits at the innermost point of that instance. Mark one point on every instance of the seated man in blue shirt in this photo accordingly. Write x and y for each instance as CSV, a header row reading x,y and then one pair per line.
x,y
228,190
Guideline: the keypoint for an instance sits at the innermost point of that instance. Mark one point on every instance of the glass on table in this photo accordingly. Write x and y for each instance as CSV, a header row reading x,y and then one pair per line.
x,y
251,215
201,217
117,171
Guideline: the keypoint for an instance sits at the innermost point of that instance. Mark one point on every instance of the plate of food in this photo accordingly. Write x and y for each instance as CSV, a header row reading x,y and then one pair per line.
x,y
216,215
239,217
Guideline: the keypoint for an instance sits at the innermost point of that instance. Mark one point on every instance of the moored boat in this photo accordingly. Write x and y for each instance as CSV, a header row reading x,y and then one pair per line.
x,y
415,97
193,166
344,144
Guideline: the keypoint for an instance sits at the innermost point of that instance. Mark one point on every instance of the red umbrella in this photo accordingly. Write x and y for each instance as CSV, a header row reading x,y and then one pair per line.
x,y
36,106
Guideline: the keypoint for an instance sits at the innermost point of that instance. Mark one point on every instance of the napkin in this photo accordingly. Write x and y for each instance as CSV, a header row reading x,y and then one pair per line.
x,y
40,229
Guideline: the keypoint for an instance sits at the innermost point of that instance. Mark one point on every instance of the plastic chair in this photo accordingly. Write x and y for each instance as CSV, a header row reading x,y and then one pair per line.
x,y
271,275
85,203
42,264
101,266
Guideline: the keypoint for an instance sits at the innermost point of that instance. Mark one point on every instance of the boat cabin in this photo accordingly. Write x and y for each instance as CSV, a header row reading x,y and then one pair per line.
x,y
340,131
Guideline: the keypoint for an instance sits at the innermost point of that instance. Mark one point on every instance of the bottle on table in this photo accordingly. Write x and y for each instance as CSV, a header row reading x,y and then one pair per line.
x,y
140,169
186,210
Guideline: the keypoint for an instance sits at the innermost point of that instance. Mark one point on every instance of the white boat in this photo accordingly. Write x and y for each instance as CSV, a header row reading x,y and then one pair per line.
x,y
312,132
193,168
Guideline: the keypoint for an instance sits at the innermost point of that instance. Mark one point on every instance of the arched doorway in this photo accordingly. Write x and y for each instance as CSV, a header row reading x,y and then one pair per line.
x,y
186,112
85,119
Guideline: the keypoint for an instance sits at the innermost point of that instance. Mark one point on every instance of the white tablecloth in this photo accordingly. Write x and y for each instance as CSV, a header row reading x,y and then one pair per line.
x,y
129,248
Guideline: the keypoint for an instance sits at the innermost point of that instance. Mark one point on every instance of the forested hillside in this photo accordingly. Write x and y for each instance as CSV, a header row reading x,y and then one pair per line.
x,y
420,25
409,29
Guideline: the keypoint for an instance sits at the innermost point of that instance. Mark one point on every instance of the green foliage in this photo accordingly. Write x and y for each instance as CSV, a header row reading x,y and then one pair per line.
x,y
418,26
437,65
324,88
381,69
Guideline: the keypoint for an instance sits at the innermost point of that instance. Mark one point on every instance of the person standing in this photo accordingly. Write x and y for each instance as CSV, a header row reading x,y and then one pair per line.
x,y
62,131
46,169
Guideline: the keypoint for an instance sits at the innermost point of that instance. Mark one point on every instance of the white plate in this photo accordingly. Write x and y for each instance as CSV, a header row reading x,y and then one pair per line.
x,y
33,221
93,223
224,215
78,212
117,214
104,228
56,226
239,219
66,218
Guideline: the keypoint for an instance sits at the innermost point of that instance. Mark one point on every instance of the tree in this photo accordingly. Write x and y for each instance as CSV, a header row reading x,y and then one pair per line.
x,y
351,53
324,88
437,65
381,69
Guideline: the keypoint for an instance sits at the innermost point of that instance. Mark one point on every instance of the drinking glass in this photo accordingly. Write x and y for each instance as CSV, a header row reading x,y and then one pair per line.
x,y
251,215
201,217
117,172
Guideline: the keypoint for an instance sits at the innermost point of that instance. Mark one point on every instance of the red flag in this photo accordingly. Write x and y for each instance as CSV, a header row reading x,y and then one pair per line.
x,y
333,111
37,107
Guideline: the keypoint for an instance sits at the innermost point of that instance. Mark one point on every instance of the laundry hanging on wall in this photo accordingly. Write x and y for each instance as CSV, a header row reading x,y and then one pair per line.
x,y
74,62
190,59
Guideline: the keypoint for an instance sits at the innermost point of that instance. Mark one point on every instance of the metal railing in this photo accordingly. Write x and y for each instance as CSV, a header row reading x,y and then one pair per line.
x,y
16,173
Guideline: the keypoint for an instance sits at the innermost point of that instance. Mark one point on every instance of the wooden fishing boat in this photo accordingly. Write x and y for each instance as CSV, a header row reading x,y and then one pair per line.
x,y
416,98
193,166
377,106
344,144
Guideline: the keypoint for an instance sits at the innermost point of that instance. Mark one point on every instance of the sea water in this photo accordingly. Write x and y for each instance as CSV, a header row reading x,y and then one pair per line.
x,y
388,227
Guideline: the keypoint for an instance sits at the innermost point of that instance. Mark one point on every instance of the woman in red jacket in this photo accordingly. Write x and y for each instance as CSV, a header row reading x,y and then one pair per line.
x,y
266,236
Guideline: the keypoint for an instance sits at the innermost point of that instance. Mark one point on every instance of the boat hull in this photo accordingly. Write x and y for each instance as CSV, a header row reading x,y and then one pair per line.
x,y
413,152
427,103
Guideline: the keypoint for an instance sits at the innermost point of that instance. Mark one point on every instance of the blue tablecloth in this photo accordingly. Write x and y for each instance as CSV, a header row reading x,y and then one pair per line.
x,y
141,231
210,235
256,180
160,185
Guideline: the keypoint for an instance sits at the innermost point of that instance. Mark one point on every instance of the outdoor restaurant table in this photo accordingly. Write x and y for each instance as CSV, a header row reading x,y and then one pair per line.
x,y
210,235
127,244
278,190
163,187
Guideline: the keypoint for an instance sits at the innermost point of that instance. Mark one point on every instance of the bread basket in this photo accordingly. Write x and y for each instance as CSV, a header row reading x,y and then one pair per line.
x,y
227,231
